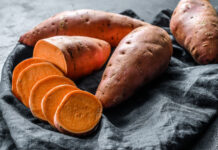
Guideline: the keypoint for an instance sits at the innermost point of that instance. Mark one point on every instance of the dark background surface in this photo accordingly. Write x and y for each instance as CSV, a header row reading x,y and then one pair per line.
x,y
17,17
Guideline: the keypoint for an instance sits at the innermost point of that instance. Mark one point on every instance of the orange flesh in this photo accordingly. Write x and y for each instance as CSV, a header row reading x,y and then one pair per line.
x,y
76,56
52,53
30,75
79,112
40,89
18,69
52,99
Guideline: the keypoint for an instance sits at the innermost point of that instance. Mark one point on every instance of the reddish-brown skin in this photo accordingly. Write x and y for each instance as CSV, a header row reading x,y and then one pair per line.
x,y
139,58
76,56
107,26
194,24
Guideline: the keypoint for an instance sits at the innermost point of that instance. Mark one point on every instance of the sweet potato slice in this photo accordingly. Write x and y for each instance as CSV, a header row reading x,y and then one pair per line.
x,y
19,68
30,75
41,88
107,26
78,113
53,98
76,56
140,57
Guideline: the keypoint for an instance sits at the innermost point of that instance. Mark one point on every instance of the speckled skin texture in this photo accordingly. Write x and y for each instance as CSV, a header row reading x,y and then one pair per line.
x,y
194,24
138,59
84,22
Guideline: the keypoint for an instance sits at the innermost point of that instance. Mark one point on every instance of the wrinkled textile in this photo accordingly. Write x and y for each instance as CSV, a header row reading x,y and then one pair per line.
x,y
170,113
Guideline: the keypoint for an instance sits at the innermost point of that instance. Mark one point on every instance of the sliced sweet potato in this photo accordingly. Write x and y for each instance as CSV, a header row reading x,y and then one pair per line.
x,y
78,113
53,98
19,68
41,88
107,26
76,56
30,75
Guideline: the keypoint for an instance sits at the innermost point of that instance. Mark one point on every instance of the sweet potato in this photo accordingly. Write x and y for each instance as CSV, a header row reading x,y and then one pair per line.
x,y
194,24
107,26
53,98
76,56
40,89
139,58
18,69
30,75
78,113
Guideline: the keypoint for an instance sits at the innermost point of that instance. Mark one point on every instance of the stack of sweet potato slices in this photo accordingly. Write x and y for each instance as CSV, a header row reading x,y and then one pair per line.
x,y
51,96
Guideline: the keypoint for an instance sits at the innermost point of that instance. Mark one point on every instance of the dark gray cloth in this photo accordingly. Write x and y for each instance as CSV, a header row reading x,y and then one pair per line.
x,y
170,113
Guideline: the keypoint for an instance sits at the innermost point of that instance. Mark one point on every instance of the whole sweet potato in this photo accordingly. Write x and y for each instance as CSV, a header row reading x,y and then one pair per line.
x,y
194,24
76,56
107,26
139,58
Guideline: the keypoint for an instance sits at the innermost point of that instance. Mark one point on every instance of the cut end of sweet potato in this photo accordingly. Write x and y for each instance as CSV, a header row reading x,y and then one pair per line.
x,y
30,75
53,98
78,113
40,89
18,69
76,56
48,51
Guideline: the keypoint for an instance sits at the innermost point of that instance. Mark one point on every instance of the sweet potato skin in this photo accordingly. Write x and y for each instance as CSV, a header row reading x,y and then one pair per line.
x,y
78,55
107,26
194,24
139,58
